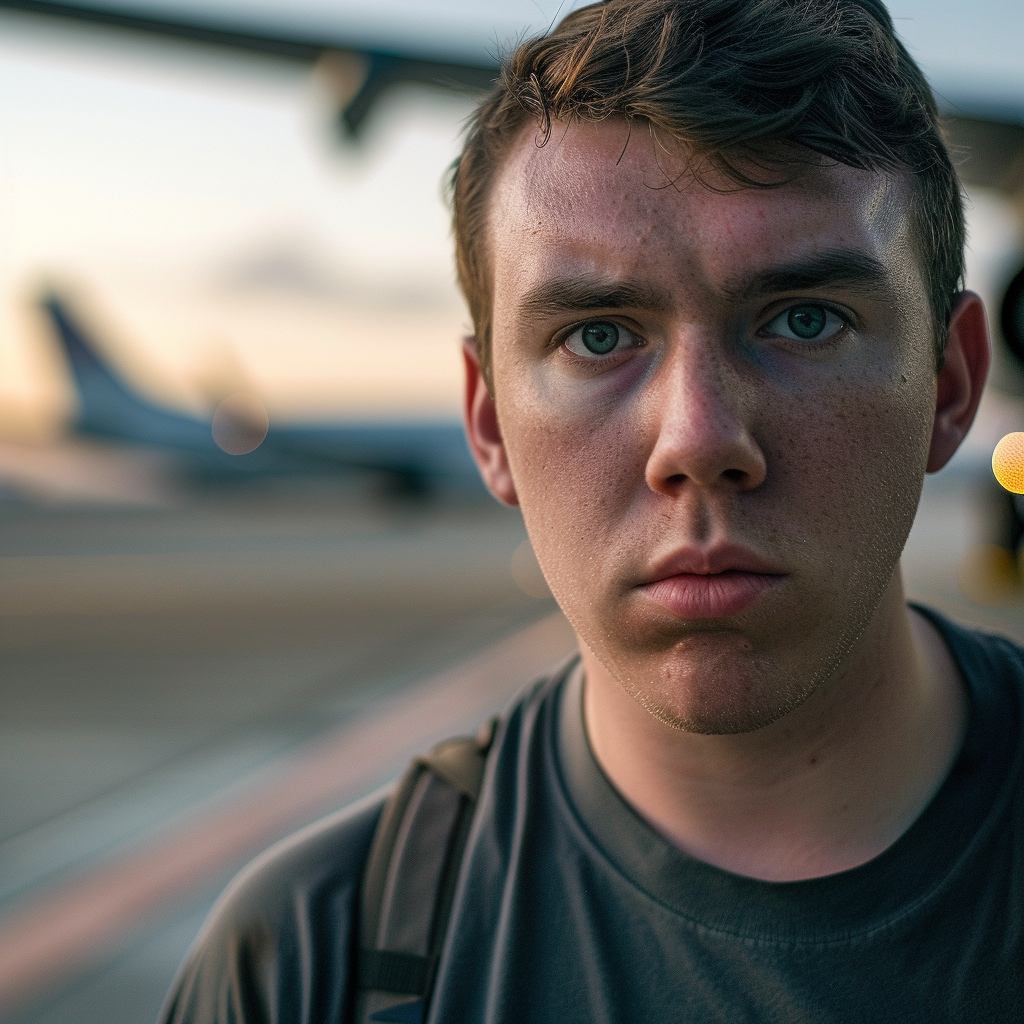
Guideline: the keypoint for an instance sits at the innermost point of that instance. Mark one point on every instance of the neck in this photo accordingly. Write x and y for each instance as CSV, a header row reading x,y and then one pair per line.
x,y
826,788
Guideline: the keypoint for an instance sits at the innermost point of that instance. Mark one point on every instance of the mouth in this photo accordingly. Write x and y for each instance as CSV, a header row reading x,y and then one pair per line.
x,y
712,584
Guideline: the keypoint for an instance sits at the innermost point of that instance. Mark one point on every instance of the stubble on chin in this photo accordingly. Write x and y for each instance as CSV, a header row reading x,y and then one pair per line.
x,y
705,684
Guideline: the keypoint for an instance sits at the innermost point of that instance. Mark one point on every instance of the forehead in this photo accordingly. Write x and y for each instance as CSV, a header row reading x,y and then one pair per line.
x,y
610,199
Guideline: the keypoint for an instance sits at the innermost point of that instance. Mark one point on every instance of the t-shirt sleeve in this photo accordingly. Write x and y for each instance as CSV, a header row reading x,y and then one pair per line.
x,y
279,944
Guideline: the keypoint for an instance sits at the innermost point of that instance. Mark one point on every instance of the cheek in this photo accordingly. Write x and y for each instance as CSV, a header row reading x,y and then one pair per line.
x,y
577,472
854,466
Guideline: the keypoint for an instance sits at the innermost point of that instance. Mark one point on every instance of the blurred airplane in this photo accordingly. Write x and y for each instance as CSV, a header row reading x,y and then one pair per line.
x,y
364,49
240,443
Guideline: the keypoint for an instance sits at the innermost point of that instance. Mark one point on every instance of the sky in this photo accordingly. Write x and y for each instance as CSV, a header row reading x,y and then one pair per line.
x,y
216,231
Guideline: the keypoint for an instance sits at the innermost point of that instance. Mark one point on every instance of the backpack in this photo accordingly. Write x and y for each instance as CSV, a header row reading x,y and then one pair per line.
x,y
410,878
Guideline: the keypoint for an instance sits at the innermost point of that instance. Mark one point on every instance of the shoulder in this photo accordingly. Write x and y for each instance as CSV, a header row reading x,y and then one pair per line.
x,y
322,858
277,945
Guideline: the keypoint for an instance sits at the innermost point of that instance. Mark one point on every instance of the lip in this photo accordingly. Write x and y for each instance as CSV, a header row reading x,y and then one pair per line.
x,y
711,584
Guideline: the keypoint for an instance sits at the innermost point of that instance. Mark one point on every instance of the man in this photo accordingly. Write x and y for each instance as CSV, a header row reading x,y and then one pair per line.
x,y
713,254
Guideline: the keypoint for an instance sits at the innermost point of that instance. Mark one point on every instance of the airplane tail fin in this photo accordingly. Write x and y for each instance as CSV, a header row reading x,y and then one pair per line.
x,y
102,393
107,405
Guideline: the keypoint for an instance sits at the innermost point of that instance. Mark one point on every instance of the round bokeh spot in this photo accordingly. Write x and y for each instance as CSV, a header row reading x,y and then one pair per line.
x,y
1008,462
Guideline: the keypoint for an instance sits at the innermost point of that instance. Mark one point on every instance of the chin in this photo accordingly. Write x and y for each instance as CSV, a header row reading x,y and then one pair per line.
x,y
718,714
714,692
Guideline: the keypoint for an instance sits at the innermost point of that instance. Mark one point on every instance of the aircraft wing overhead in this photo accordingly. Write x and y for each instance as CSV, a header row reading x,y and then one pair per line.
x,y
374,66
453,44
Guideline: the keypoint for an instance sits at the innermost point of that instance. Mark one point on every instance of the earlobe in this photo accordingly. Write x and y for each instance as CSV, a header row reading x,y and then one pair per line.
x,y
961,379
483,431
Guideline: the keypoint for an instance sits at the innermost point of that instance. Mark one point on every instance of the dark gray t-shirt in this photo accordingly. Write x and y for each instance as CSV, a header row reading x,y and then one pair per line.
x,y
572,909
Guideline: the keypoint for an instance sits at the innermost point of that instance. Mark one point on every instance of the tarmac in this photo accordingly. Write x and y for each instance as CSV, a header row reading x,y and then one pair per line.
x,y
183,683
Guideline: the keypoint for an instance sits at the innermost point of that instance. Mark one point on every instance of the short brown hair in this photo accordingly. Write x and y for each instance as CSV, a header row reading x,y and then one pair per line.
x,y
724,77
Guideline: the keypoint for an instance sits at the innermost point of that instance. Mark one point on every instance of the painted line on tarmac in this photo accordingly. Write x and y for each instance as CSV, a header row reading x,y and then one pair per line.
x,y
60,931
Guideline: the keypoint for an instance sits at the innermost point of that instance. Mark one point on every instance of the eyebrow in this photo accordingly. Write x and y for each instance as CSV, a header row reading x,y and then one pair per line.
x,y
576,294
849,267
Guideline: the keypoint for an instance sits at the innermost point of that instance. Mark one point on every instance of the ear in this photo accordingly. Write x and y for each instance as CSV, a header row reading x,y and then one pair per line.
x,y
483,431
961,379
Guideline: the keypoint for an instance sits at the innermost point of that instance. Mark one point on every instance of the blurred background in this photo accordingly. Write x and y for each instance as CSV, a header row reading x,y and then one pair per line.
x,y
246,567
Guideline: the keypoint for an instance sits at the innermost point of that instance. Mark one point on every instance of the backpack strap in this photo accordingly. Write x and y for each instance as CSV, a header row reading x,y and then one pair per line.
x,y
410,878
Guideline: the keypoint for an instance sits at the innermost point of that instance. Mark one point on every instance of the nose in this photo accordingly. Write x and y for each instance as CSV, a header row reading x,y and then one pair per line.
x,y
702,436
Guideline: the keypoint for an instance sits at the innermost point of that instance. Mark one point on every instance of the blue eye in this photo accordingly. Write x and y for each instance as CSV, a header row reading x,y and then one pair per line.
x,y
599,338
806,322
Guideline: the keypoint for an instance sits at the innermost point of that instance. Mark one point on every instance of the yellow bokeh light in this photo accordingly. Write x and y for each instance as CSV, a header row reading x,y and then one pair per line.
x,y
1008,462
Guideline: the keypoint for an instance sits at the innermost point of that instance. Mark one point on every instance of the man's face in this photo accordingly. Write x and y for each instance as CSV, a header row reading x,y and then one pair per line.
x,y
716,408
